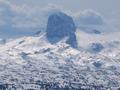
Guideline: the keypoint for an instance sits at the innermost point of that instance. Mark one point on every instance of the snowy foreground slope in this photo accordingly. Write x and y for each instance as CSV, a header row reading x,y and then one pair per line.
x,y
33,63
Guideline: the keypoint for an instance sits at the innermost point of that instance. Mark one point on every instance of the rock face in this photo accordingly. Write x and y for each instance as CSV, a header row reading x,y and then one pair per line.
x,y
60,26
96,47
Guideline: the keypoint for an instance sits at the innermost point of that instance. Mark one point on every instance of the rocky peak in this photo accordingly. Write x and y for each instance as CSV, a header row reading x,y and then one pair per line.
x,y
60,26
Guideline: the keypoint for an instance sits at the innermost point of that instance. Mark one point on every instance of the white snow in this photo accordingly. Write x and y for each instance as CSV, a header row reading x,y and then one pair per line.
x,y
34,57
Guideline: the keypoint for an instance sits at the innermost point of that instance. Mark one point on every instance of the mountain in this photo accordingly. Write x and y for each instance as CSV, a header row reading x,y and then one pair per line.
x,y
52,60
34,63
60,26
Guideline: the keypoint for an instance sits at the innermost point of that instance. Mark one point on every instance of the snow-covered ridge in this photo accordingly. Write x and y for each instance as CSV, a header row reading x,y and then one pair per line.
x,y
34,58
62,56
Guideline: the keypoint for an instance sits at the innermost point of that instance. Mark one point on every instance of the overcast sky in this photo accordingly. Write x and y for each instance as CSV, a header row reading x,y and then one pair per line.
x,y
29,13
106,7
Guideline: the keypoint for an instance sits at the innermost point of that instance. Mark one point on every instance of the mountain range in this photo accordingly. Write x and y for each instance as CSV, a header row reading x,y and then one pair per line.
x,y
38,62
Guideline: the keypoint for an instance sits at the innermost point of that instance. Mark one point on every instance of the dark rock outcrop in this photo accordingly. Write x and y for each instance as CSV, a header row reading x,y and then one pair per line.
x,y
60,26
95,47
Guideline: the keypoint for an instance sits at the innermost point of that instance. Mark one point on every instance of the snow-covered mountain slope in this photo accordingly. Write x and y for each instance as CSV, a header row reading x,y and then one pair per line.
x,y
33,59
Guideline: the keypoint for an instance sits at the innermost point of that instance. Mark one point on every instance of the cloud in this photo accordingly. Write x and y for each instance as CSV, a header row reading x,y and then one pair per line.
x,y
27,16
32,17
89,17
5,13
24,16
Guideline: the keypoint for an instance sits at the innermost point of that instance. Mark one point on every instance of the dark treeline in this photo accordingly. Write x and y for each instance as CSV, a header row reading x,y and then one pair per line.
x,y
51,86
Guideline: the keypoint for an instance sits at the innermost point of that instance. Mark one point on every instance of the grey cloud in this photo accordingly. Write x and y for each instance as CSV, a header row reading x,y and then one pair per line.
x,y
89,17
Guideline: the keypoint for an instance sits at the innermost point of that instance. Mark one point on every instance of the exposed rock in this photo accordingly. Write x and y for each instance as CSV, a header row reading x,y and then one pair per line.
x,y
95,47
60,26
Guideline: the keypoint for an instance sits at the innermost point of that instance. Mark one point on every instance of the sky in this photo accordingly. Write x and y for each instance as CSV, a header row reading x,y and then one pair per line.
x,y
25,17
107,7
